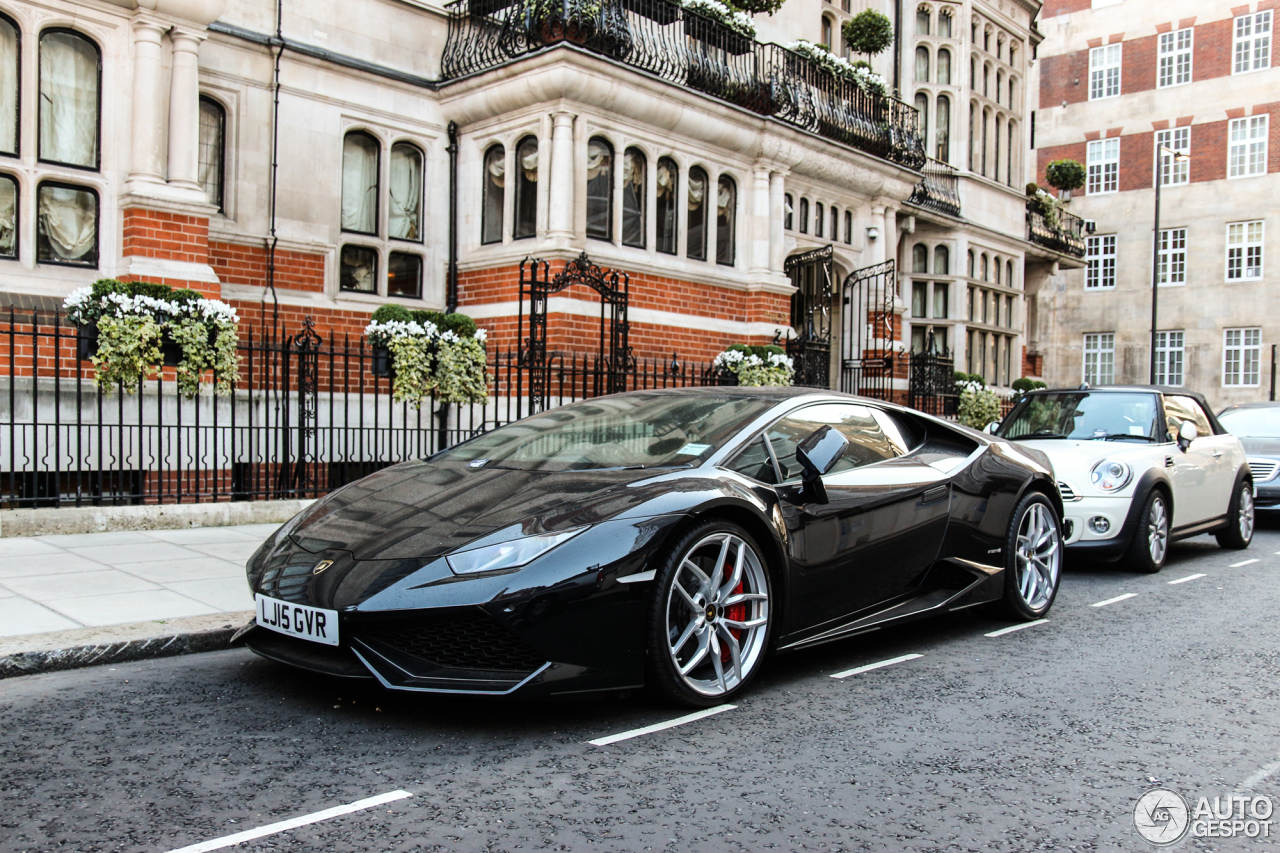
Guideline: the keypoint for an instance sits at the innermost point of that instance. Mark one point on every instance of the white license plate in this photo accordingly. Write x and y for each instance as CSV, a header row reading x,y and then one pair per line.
x,y
298,620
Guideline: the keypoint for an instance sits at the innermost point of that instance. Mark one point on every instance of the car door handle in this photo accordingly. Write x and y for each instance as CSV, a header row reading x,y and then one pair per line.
x,y
1217,454
934,494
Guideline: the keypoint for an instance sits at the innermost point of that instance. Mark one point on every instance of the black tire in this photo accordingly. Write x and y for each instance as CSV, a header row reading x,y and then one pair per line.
x,y
1033,559
702,616
1239,530
1145,553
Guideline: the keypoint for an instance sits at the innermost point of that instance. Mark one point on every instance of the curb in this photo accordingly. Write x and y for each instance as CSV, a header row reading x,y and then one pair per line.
x,y
62,650
100,519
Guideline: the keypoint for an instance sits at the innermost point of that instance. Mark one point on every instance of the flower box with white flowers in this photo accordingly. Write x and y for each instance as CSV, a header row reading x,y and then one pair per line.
x,y
716,25
428,353
129,330
756,366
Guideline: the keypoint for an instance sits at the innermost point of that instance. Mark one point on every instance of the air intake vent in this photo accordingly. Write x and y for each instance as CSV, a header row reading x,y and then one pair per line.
x,y
458,641
1263,469
1068,493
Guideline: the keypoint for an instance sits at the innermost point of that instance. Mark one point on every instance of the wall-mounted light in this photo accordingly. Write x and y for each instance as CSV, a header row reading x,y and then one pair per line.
x,y
873,233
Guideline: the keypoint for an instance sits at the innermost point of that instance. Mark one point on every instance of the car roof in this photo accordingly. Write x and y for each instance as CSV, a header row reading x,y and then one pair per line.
x,y
1264,404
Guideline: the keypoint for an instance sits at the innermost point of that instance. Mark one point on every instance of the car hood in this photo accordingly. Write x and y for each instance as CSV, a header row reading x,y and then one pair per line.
x,y
1261,446
420,510
1074,459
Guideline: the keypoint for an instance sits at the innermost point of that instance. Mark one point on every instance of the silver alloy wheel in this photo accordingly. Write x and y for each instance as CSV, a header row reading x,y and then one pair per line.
x,y
1157,530
1039,556
1246,512
717,614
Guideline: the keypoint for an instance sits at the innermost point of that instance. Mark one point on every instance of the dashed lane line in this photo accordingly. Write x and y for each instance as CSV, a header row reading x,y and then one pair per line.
x,y
871,666
657,727
1188,578
1258,778
293,823
1113,600
1244,563
1013,628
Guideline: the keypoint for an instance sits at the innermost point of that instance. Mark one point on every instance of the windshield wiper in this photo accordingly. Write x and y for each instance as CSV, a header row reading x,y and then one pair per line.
x,y
1116,436
1044,433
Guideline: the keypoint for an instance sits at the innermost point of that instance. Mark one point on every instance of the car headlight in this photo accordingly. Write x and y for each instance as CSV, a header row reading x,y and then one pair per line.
x,y
1110,475
508,555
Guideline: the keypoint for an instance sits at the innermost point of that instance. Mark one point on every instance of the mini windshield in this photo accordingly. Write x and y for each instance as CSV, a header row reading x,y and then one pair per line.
x,y
631,431
1109,416
1252,423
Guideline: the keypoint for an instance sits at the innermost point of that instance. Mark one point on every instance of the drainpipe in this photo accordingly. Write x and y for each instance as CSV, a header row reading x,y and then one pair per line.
x,y
897,49
275,144
451,284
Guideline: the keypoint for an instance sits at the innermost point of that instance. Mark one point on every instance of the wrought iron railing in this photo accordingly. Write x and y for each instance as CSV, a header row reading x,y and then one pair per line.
x,y
939,189
691,50
1067,237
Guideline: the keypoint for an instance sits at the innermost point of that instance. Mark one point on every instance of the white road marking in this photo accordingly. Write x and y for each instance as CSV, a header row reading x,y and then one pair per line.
x,y
1113,600
871,666
1258,778
1013,628
657,727
292,823
1187,578
1243,563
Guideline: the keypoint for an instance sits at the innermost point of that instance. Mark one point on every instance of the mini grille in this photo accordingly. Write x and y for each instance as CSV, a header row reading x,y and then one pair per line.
x,y
459,641
1263,469
1068,493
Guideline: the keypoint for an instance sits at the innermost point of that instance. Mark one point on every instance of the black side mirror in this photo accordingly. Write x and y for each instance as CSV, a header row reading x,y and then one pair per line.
x,y
817,455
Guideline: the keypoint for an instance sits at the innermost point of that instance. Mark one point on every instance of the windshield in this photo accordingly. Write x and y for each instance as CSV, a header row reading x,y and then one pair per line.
x,y
1080,414
1252,423
631,431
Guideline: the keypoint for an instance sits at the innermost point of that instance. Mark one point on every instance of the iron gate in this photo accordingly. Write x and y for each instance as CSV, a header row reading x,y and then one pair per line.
x,y
810,350
613,352
931,383
866,345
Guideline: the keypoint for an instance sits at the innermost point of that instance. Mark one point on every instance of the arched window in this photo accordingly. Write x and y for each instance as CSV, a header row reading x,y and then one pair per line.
x,y
804,216
70,78
942,119
1008,274
599,189
817,219
999,84
360,183
922,114
971,270
944,25
848,226
922,64
973,73
941,261
66,225
986,129
973,137
10,60
944,67
405,218
634,172
726,220
696,199
668,180
213,134
526,200
986,41
788,212
8,217
995,162
922,21
1010,149
827,38
1013,53
835,223
986,268
1010,102
495,164
996,264
986,81
919,258
973,33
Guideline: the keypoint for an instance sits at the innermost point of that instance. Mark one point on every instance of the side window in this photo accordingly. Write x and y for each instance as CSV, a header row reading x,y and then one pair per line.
x,y
754,462
868,441
1178,409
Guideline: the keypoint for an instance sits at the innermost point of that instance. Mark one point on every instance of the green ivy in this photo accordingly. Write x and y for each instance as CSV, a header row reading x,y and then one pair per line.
x,y
128,349
412,358
460,371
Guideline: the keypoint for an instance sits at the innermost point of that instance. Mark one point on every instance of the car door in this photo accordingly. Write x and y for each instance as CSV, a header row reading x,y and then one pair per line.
x,y
1201,474
882,526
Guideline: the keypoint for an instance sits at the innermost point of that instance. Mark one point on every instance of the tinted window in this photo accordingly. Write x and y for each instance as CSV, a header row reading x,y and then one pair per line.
x,y
1178,409
754,462
868,441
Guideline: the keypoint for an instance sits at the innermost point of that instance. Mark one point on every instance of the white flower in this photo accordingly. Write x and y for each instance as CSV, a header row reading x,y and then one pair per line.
x,y
481,335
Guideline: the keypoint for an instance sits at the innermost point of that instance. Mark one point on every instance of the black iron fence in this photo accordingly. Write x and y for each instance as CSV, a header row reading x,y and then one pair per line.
x,y
688,49
1066,235
307,415
939,189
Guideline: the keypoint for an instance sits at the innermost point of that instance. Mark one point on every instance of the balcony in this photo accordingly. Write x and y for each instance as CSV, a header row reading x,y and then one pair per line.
x,y
689,50
939,190
1067,237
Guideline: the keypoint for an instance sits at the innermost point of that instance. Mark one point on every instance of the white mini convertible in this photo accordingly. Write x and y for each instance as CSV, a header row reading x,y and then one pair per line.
x,y
1138,466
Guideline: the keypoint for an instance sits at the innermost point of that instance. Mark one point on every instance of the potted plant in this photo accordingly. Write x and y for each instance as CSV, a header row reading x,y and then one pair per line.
x,y
1066,176
561,20
717,26
868,33
746,365
428,353
857,73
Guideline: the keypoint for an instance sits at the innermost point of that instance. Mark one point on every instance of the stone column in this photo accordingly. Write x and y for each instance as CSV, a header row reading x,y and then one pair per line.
x,y
147,159
777,221
560,212
878,248
760,222
184,109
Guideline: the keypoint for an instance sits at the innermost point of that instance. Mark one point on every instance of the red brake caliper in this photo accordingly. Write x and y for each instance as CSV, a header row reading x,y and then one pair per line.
x,y
735,613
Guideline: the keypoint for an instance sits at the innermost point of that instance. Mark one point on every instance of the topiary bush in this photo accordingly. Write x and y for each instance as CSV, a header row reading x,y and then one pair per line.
x,y
392,313
978,407
869,32
1065,174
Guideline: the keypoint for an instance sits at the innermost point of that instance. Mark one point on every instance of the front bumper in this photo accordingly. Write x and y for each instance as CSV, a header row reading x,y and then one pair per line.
x,y
1083,540
1267,495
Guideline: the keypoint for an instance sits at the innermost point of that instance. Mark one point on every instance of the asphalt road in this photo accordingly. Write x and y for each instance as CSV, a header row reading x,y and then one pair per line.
x,y
1041,738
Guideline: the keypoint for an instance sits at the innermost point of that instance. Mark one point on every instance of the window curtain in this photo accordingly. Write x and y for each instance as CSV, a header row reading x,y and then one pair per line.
x,y
922,65
8,217
667,181
495,165
633,177
941,261
599,190
68,224
726,210
943,121
68,99
359,183
8,88
526,188
922,113
697,226
211,142
944,26
944,67
406,193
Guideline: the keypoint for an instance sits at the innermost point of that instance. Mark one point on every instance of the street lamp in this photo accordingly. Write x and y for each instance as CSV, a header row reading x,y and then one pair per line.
x,y
1176,157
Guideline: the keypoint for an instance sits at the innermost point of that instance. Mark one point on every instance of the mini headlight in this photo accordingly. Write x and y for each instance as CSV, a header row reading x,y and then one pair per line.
x,y
1110,475
508,555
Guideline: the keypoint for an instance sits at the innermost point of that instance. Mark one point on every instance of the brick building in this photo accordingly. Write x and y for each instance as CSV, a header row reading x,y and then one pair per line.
x,y
1116,81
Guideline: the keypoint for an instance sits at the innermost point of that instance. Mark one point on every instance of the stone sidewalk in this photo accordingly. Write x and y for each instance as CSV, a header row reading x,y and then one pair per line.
x,y
93,580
